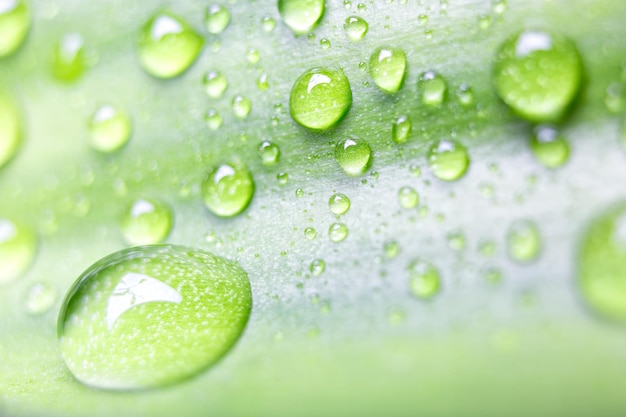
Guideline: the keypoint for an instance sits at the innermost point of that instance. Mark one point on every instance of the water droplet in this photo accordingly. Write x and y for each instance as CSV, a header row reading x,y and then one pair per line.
x,y
538,75
253,56
353,155
10,129
213,119
499,6
601,263
317,267
401,129
110,129
355,28
40,298
69,59
262,83
448,160
456,241
152,316
268,24
320,98
549,146
339,204
424,280
387,68
523,241
615,98
361,7
347,4
484,21
18,246
146,221
487,248
324,43
168,45
422,19
310,233
241,107
337,232
432,87
301,16
299,193
415,170
15,21
465,95
282,178
492,276
215,84
408,197
391,248
269,153
228,189
217,18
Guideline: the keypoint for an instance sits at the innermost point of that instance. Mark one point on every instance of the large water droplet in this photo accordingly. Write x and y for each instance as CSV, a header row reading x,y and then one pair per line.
x,y
549,146
355,28
337,232
10,129
18,246
339,204
401,129
110,128
15,20
320,98
168,45
448,160
146,221
69,59
228,189
538,75
387,68
353,156
432,88
152,316
424,280
301,15
523,241
215,84
217,18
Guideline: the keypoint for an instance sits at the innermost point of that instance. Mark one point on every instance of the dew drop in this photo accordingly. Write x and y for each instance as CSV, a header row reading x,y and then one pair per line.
x,y
422,19
215,84
424,280
310,233
269,153
355,28
361,7
432,88
339,204
492,276
241,106
523,242
268,24
253,56
387,68
324,43
69,59
391,248
146,221
456,241
448,160
110,128
317,267
465,95
10,129
499,6
262,83
217,18
227,189
282,178
18,246
549,146
408,197
15,21
213,119
401,129
353,155
301,16
337,232
39,298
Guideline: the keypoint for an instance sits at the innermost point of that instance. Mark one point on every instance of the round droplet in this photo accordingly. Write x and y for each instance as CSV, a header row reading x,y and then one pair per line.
x,y
269,153
253,56
465,95
432,88
15,21
10,129
456,241
361,7
615,98
424,280
18,245
268,24
217,18
299,193
324,43
499,6
310,233
40,298
601,263
262,83
355,28
401,129
391,248
168,45
320,98
408,197
69,58
422,19
549,146
353,155
228,189
338,232
538,75
523,241
387,68
448,160
492,276
317,267
146,222
241,107
215,84
339,204
110,129
301,16
213,119
484,21
282,177
152,316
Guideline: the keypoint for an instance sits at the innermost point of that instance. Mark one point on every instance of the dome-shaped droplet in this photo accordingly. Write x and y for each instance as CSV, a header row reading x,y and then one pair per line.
x,y
69,59
213,119
269,153
241,106
310,233
549,146
146,221
215,84
432,88
353,155
301,16
18,246
151,316
320,98
355,28
228,189
168,45
523,241
39,298
339,204
317,267
217,18
424,280
408,197
110,128
387,68
401,129
10,129
337,232
448,160
15,21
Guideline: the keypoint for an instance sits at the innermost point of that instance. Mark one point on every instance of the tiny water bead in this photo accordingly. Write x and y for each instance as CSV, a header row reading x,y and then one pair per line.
x,y
456,241
355,28
320,98
448,160
465,95
301,16
269,153
538,75
401,129
110,128
15,21
310,233
601,264
39,298
339,204
353,155
152,316
262,82
268,24
317,267
146,221
387,68
213,119
69,59
253,56
227,189
18,246
241,106
337,232
324,43
217,18
391,248
549,146
168,45
10,129
432,88
424,280
282,178
215,84
523,241
408,197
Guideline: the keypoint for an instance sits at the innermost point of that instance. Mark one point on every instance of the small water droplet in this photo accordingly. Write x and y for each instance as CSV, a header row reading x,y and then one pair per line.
x,y
523,241
262,82
317,267
422,19
487,248
18,247
415,170
465,95
69,59
324,43
355,28
353,155
456,241
11,134
213,119
361,7
241,106
269,153
615,98
549,146
408,197
424,280
301,16
432,88
146,221
391,248
339,204
337,232
310,233
282,178
484,21
401,129
347,4
299,193
387,68
215,84
227,189
217,18
15,21
110,128
39,298
448,160
253,56
492,276
499,6
268,24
